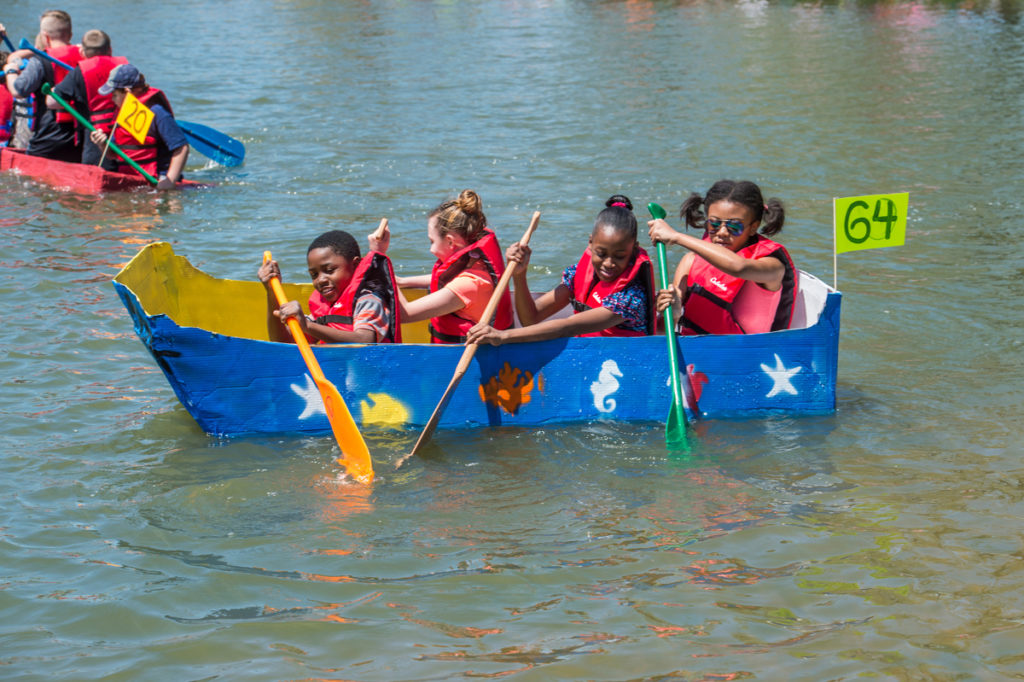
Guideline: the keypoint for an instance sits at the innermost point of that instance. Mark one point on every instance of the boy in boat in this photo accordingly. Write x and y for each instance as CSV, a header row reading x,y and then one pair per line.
x,y
733,280
353,299
82,87
164,151
54,135
611,288
468,267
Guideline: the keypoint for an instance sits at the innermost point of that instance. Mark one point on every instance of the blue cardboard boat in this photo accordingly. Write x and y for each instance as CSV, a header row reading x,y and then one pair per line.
x,y
209,337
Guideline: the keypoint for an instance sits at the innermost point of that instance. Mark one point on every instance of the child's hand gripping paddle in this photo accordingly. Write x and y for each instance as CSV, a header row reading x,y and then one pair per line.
x,y
355,456
675,425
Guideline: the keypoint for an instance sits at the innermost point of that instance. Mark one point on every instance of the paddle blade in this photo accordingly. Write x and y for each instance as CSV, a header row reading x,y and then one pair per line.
x,y
355,456
213,144
675,429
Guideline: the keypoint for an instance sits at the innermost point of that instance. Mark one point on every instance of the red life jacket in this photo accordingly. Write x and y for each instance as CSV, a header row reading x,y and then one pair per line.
x,y
374,274
143,154
452,328
70,55
95,71
6,113
710,293
588,291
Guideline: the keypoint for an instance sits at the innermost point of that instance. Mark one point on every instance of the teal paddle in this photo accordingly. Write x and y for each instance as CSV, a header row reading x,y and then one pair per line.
x,y
211,143
675,425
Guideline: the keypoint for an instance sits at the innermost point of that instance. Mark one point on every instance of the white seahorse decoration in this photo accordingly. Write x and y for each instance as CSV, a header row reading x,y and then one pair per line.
x,y
605,385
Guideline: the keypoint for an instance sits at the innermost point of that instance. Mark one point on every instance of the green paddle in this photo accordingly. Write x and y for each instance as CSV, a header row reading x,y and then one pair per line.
x,y
675,425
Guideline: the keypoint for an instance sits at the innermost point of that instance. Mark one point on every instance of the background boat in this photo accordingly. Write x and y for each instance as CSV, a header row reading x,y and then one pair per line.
x,y
74,177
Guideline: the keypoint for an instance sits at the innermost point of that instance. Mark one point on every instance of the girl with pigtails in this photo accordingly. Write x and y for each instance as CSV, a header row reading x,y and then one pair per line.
x,y
734,280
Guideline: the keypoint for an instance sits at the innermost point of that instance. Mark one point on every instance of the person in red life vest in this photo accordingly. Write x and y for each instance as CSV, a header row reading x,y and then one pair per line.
x,y
468,267
164,151
6,106
353,299
734,280
82,87
611,288
53,132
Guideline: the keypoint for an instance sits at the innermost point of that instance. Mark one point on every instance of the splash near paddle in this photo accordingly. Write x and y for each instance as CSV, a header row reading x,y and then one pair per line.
x,y
355,455
675,424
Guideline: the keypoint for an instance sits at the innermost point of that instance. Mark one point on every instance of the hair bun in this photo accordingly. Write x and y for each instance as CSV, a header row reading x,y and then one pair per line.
x,y
468,202
620,201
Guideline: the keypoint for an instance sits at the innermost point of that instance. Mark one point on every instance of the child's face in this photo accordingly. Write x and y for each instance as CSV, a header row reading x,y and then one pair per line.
x,y
442,246
330,272
726,211
610,253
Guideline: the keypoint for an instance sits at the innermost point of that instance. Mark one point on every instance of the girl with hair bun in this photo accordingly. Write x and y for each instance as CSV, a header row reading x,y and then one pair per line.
x,y
733,280
468,267
611,288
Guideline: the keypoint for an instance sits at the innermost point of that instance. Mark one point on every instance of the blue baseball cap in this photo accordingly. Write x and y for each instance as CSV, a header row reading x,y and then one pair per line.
x,y
121,76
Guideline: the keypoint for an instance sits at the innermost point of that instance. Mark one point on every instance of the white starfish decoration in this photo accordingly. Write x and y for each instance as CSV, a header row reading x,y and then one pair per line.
x,y
780,376
311,394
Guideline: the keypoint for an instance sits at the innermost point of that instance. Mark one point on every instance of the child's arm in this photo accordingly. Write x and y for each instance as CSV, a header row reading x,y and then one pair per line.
x,y
436,304
414,281
765,271
587,322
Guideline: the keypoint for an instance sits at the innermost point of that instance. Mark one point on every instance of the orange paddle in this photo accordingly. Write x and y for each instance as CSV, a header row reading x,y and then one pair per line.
x,y
355,456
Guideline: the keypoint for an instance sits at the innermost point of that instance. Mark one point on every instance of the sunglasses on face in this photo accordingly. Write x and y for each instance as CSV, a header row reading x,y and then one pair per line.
x,y
734,226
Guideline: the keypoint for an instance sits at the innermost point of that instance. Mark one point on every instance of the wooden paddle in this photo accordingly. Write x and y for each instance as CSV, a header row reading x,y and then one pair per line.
x,y
355,455
211,143
47,90
675,425
470,351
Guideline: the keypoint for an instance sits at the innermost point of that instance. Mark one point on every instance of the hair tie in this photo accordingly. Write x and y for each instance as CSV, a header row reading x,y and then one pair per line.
x,y
618,203
766,207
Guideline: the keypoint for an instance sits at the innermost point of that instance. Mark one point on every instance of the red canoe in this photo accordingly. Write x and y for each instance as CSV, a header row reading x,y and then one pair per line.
x,y
74,177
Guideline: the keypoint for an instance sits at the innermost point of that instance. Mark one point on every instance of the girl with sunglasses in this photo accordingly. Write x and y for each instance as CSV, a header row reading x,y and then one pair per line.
x,y
734,280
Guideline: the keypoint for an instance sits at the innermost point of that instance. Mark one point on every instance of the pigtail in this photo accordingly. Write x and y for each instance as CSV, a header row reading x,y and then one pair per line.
x,y
773,218
691,211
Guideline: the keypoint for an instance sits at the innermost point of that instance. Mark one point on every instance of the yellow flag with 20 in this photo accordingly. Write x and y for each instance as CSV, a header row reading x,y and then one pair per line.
x,y
135,117
871,221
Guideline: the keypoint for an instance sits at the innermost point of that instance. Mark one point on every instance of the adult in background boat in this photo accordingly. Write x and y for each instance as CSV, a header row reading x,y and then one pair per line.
x,y
353,299
6,106
164,150
82,87
53,132
468,267
611,288
734,280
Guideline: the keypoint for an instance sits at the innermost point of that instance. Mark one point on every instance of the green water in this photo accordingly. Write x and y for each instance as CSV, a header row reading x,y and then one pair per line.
x,y
882,541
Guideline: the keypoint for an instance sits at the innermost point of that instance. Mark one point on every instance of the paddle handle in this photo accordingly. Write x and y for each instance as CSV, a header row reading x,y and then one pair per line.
x,y
295,328
670,330
25,45
47,90
492,304
7,42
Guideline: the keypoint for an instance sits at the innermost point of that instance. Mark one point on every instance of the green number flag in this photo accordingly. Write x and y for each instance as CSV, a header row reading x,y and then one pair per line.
x,y
870,222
